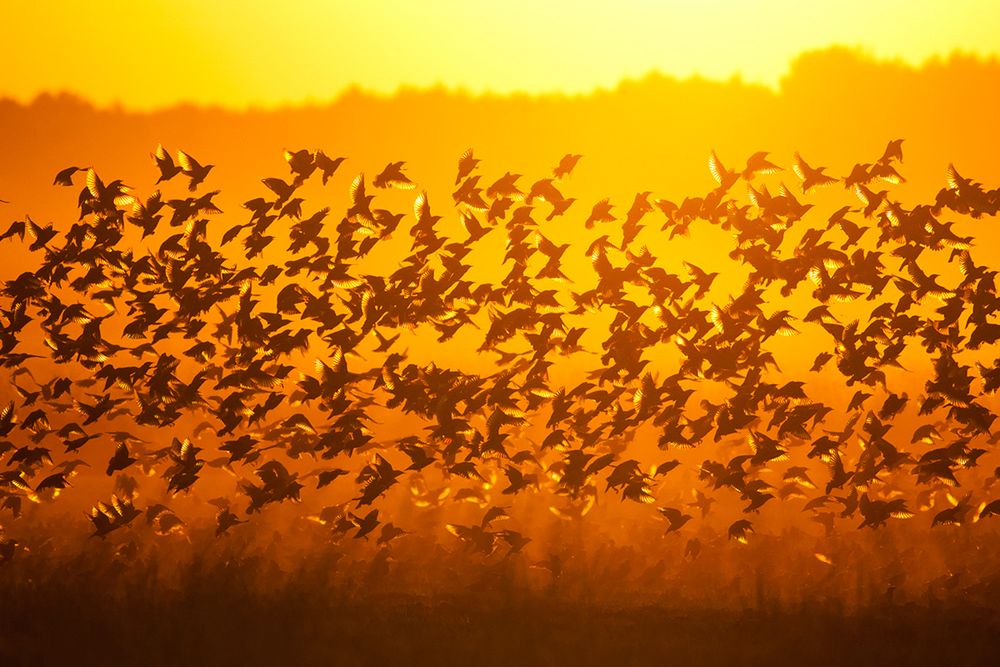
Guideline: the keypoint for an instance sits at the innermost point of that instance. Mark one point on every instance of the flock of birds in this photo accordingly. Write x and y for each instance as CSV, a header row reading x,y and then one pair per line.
x,y
142,318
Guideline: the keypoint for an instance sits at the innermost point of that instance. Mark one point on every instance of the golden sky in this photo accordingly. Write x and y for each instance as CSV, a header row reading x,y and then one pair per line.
x,y
155,53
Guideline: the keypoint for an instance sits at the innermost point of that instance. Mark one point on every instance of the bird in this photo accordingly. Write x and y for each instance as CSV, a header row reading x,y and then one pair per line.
x,y
893,151
55,481
393,177
194,170
327,166
467,163
810,176
675,518
566,165
366,524
991,508
120,460
740,531
65,176
165,163
225,519
108,517
758,164
724,177
601,212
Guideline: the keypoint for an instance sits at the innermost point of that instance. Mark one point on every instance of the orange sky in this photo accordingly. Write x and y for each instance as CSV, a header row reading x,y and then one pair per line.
x,y
235,53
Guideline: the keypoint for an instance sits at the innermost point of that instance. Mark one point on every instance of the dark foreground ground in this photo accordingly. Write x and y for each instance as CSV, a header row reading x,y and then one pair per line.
x,y
201,625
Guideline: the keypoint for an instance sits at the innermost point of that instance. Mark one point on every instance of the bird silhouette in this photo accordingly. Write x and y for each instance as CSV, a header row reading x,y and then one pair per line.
x,y
65,176
566,166
165,164
675,518
194,170
282,347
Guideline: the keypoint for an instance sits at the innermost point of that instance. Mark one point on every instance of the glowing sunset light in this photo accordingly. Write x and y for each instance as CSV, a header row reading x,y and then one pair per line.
x,y
499,333
157,53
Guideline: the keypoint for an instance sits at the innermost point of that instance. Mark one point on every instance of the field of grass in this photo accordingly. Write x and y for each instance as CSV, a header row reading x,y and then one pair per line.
x,y
189,603
218,621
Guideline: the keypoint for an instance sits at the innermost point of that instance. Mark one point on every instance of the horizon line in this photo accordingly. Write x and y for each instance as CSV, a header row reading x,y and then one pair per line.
x,y
357,89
